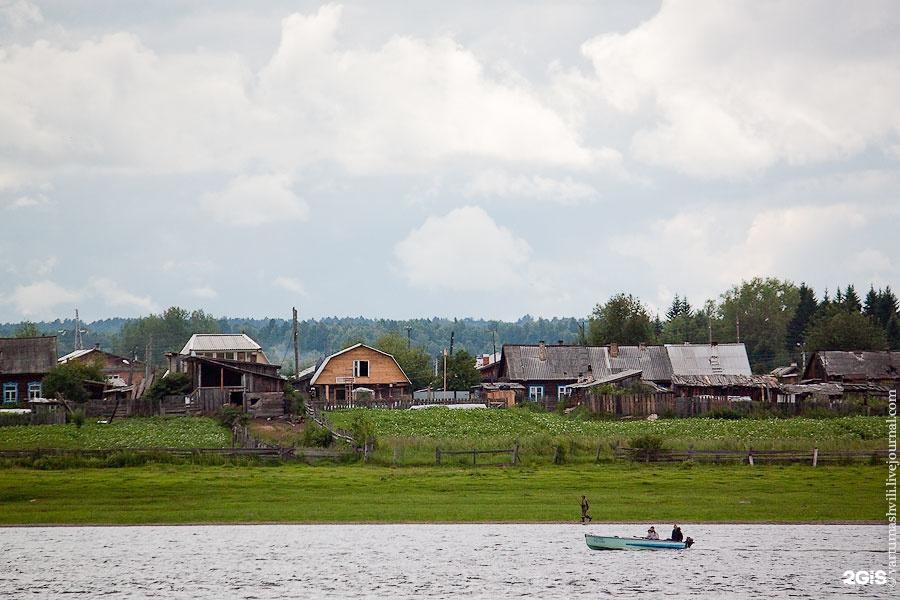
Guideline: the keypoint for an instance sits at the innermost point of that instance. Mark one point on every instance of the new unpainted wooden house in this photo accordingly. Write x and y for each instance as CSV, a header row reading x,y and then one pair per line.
x,y
355,368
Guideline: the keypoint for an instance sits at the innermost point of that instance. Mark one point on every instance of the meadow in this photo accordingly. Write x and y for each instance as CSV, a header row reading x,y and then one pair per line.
x,y
150,432
159,494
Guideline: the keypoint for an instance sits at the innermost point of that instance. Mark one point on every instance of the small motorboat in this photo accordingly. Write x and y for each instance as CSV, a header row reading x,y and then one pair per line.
x,y
605,542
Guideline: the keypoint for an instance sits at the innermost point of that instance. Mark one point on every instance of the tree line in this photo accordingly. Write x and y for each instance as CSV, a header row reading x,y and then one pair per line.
x,y
777,320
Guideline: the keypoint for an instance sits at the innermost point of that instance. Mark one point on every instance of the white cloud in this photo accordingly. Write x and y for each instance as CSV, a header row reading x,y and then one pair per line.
x,y
255,200
205,292
27,201
500,184
18,14
291,284
39,299
409,103
730,88
464,250
707,250
115,296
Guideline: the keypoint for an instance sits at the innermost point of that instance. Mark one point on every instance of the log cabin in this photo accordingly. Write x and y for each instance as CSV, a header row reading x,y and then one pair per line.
x,y
23,364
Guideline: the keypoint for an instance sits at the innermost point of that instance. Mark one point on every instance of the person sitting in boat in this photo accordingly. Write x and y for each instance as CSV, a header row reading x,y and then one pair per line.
x,y
677,536
651,534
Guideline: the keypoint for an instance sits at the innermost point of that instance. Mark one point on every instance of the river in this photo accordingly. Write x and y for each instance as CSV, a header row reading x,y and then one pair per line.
x,y
434,561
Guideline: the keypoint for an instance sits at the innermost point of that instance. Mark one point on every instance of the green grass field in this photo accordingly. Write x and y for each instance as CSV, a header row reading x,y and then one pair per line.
x,y
153,432
360,493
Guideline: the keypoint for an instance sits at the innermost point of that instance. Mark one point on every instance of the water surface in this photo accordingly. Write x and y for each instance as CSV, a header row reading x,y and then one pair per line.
x,y
433,561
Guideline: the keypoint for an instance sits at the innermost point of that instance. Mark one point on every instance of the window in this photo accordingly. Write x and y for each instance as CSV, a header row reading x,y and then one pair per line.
x,y
563,390
34,390
229,356
10,393
242,356
535,392
360,368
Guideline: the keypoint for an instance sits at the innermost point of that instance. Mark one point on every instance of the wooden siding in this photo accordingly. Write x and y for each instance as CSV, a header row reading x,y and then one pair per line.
x,y
383,370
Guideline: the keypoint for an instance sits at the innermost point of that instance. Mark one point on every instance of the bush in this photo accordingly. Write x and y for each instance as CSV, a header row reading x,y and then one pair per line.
x,y
724,413
78,417
230,415
295,403
315,436
174,384
646,446
363,430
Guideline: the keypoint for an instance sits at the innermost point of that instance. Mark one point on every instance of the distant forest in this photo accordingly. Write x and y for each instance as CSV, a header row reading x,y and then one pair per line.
x,y
779,322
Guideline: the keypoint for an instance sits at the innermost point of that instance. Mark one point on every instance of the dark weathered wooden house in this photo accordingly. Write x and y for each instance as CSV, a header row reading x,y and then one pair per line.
x,y
358,367
23,364
700,370
118,369
879,368
548,372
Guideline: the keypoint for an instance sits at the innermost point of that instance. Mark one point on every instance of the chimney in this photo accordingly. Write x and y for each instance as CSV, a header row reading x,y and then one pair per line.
x,y
542,350
642,346
97,346
559,342
614,350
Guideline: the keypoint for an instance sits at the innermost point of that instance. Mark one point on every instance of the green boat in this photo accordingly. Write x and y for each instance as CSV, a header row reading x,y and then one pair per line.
x,y
605,542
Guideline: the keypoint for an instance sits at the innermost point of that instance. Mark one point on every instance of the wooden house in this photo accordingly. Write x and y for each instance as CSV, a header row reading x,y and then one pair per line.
x,y
877,368
359,366
118,369
225,346
548,372
700,370
23,364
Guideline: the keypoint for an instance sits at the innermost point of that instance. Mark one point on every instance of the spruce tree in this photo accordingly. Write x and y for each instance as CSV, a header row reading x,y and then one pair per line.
x,y
851,299
806,310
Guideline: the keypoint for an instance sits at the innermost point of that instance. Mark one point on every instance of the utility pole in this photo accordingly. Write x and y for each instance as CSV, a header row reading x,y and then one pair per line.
x,y
131,367
79,341
445,367
494,344
452,333
295,334
148,357
709,325
408,337
737,324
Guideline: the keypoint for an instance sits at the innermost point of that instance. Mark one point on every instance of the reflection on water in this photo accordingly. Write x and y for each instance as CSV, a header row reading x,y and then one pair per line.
x,y
414,561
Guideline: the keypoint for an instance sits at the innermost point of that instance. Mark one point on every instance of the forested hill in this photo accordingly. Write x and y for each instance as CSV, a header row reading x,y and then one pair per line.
x,y
318,337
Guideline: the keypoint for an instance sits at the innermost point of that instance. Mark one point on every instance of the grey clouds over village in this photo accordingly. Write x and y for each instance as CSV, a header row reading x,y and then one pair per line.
x,y
483,159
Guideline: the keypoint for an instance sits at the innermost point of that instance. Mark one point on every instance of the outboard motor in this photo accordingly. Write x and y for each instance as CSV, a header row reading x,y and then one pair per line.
x,y
688,542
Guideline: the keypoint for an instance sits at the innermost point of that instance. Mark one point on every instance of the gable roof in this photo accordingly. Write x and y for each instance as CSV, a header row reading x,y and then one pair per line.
x,y
525,362
34,355
217,342
321,367
870,365
706,359
84,352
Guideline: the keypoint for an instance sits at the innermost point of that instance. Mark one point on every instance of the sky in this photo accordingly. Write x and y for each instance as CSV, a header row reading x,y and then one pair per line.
x,y
399,160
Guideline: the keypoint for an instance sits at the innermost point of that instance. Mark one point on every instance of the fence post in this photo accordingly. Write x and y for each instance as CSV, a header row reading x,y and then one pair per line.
x,y
750,457
599,447
815,456
474,458
516,453
437,456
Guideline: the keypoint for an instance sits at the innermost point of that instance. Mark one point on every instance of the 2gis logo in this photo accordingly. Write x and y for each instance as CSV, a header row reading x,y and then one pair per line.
x,y
864,578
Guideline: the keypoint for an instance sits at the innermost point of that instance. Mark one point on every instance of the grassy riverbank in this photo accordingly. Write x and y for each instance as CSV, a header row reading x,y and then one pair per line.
x,y
360,493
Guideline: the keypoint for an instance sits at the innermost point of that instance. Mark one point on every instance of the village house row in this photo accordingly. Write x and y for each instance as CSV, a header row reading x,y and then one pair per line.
x,y
232,369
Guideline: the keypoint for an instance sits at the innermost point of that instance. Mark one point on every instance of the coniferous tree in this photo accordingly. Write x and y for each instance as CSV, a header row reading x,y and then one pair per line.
x,y
851,299
806,310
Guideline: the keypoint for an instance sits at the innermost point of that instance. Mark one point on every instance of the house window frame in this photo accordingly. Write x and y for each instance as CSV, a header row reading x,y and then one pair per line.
x,y
10,390
563,390
536,393
357,371
35,386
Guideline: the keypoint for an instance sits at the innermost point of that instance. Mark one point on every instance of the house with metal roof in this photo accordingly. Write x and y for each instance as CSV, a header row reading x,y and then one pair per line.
x,y
716,370
549,371
226,346
119,371
23,364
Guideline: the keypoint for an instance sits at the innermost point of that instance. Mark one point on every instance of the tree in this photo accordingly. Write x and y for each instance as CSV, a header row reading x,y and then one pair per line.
x,y
803,315
67,380
845,330
27,329
851,299
461,371
169,330
623,320
762,309
414,361
683,324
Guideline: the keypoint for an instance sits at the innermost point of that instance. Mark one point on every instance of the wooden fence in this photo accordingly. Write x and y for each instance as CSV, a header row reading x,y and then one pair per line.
x,y
271,452
475,453
658,404
399,402
812,457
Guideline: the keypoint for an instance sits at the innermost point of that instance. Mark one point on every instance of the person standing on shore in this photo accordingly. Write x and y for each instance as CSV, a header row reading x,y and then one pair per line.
x,y
585,507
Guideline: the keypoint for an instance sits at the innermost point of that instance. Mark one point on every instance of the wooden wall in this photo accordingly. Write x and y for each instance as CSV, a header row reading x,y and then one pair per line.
x,y
382,369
